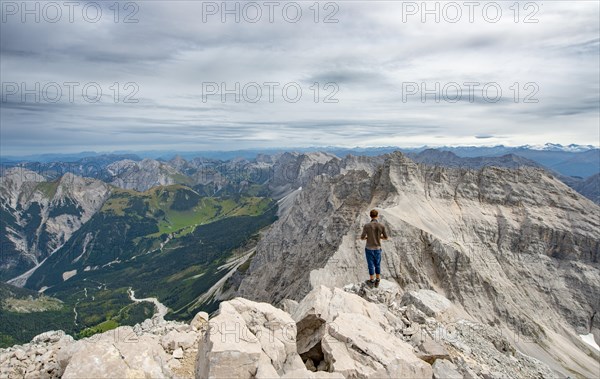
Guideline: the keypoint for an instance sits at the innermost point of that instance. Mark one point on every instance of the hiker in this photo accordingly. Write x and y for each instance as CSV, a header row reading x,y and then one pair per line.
x,y
374,232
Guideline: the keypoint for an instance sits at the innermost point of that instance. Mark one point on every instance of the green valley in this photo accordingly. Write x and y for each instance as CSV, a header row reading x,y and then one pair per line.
x,y
169,242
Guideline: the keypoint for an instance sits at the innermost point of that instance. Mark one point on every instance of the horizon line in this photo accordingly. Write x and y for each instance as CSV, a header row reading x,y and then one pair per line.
x,y
292,148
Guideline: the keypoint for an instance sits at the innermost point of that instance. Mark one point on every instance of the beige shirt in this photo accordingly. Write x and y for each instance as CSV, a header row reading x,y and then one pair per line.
x,y
374,232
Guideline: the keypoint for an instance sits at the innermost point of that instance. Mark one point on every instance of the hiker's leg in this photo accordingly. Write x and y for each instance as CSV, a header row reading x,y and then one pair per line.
x,y
370,262
377,262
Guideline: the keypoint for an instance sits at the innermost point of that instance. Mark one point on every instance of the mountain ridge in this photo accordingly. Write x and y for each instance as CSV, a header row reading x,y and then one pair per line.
x,y
506,210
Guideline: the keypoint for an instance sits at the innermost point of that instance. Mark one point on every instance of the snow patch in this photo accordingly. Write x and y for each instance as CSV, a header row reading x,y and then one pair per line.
x,y
589,339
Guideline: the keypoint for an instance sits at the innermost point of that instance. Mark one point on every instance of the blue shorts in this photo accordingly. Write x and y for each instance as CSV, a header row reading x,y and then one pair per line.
x,y
373,261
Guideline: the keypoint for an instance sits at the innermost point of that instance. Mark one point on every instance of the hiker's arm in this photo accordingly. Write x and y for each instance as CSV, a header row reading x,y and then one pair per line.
x,y
384,235
363,236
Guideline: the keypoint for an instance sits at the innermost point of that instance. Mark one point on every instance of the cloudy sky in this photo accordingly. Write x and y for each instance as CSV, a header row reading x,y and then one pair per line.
x,y
152,75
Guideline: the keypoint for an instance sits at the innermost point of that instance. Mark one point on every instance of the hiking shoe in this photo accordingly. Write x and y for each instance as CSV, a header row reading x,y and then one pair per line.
x,y
370,282
377,283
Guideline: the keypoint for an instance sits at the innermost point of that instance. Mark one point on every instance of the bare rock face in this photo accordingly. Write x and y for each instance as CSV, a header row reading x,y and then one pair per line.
x,y
357,346
302,241
247,340
463,346
118,351
124,352
429,302
444,369
516,249
40,216
333,333
143,175
320,308
293,170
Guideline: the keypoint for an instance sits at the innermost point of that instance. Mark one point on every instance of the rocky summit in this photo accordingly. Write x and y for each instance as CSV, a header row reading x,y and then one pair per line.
x,y
351,332
516,249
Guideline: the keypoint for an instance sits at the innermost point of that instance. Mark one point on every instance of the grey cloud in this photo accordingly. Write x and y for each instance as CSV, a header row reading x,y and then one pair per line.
x,y
369,53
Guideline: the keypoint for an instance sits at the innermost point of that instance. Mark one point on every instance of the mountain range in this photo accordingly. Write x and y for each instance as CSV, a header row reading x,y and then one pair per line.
x,y
507,239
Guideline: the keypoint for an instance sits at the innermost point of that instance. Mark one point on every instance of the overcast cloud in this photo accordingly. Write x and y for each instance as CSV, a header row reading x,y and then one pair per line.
x,y
369,67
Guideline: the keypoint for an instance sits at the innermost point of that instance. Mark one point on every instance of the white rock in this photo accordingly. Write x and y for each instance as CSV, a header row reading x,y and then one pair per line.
x,y
289,305
199,321
357,346
306,374
444,369
178,353
119,352
174,339
20,355
228,349
429,302
321,306
247,339
48,337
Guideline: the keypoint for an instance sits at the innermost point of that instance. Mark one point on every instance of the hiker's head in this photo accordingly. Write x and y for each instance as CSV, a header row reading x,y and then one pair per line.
x,y
374,213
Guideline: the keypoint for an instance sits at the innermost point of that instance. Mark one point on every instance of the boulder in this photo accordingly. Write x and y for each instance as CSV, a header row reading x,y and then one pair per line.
x,y
265,369
357,346
199,321
178,353
20,355
96,361
415,315
444,369
248,339
430,350
49,337
118,352
289,305
387,292
429,302
320,306
174,340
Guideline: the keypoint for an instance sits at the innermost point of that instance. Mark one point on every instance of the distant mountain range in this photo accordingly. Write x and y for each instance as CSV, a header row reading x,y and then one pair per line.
x,y
570,160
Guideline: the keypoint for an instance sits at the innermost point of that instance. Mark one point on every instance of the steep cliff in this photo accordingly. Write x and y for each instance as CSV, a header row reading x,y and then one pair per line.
x,y
39,216
518,249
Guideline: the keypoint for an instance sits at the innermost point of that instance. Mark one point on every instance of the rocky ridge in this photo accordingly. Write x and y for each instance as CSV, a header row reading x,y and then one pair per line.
x,y
516,249
354,332
40,216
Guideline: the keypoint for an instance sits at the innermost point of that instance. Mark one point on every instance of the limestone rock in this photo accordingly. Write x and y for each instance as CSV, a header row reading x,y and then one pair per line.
x,y
321,306
444,369
431,351
247,338
49,337
494,240
305,374
289,305
355,345
415,315
174,340
429,302
20,355
117,352
310,365
178,353
200,321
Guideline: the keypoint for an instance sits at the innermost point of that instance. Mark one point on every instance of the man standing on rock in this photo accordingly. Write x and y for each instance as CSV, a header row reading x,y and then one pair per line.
x,y
374,232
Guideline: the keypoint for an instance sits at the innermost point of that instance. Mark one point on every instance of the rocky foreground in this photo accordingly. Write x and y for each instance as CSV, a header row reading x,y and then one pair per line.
x,y
354,332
